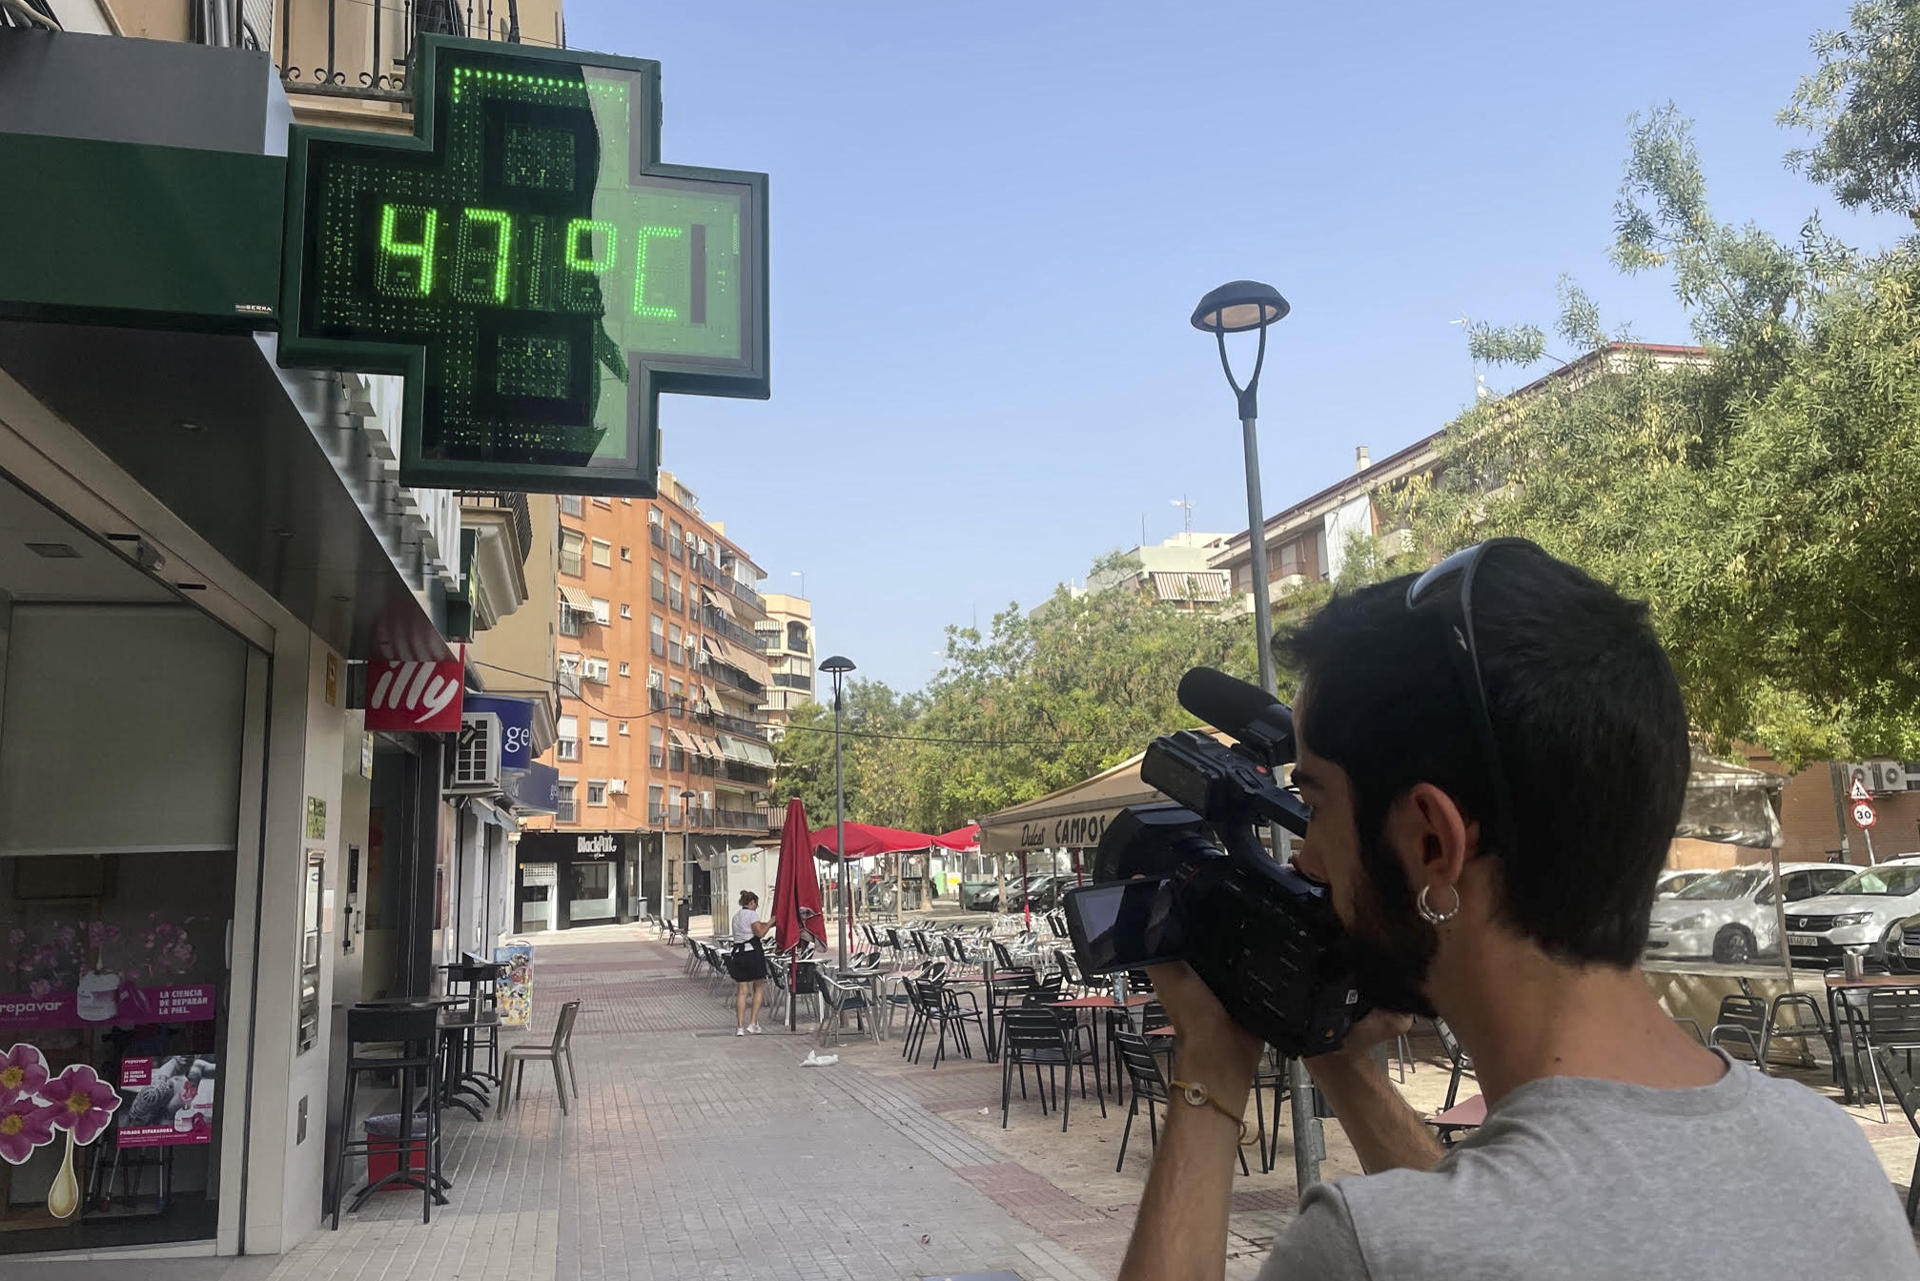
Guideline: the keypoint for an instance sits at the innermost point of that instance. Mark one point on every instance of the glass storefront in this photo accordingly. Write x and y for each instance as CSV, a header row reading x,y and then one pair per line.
x,y
113,990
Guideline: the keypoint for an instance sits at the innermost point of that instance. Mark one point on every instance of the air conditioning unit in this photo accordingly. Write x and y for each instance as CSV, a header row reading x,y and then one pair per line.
x,y
476,754
616,787
1886,776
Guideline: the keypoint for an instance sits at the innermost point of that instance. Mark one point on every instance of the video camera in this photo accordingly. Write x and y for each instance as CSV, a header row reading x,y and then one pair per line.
x,y
1259,934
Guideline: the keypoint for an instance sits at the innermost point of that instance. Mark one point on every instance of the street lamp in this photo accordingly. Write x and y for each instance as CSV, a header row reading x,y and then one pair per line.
x,y
1235,308
686,846
837,667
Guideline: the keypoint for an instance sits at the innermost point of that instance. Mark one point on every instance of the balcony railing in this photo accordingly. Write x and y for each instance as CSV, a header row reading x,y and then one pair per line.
x,y
727,675
365,48
657,536
656,699
756,775
736,725
786,680
719,622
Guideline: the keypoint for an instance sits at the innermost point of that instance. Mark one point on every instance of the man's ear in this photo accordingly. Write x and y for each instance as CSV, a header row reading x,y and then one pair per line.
x,y
1436,839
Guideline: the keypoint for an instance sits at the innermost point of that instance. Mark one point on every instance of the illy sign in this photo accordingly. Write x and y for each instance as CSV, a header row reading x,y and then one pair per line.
x,y
422,697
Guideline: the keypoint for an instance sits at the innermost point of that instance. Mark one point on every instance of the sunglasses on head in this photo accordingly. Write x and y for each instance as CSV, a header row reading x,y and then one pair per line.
x,y
1455,608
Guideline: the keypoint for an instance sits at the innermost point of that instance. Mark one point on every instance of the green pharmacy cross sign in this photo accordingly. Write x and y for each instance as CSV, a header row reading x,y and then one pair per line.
x,y
530,266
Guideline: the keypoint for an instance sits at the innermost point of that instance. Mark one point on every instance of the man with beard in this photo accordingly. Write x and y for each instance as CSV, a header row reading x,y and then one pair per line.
x,y
1495,755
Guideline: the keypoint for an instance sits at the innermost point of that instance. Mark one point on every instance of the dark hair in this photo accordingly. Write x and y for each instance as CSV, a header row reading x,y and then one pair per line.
x,y
748,896
1587,715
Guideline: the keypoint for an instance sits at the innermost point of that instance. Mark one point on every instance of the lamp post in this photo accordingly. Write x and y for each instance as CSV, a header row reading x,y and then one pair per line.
x,y
800,574
837,667
1240,306
686,846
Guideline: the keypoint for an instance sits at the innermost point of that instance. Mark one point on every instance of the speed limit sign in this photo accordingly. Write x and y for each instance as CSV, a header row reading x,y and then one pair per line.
x,y
1863,815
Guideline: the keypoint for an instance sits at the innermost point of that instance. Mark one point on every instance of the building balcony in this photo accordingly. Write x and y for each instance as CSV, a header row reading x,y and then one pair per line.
x,y
754,821
728,675
787,681
366,50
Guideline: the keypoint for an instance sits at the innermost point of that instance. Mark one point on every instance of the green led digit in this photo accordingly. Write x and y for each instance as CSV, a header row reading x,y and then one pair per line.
x,y
576,261
640,307
394,275
467,286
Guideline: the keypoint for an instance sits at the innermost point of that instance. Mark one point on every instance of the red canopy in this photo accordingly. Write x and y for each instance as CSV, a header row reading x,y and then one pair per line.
x,y
864,840
964,840
794,885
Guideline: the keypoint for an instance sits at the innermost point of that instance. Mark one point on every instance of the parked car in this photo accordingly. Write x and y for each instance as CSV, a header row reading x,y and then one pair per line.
x,y
1045,896
988,900
1863,915
1672,882
1729,914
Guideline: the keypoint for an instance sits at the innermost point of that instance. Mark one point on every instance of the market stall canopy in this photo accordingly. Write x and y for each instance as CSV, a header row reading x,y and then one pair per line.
x,y
963,840
865,840
1730,804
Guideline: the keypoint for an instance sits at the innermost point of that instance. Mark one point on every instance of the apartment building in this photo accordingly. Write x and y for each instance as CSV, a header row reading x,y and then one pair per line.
x,y
788,633
662,747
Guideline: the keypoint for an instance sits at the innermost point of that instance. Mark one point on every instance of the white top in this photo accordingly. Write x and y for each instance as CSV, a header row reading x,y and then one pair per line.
x,y
743,922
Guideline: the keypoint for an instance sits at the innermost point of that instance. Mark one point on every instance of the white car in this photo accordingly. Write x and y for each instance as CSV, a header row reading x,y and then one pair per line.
x,y
1729,915
1861,915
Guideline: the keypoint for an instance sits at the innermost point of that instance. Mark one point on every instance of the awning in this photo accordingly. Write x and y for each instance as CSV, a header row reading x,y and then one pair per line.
x,y
680,740
758,753
713,699
1206,585
715,600
734,749
709,747
1730,804
716,646
576,600
1074,817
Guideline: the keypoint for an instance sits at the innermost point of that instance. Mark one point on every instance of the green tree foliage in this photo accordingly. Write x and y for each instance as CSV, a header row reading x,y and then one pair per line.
x,y
873,720
1765,499
1864,102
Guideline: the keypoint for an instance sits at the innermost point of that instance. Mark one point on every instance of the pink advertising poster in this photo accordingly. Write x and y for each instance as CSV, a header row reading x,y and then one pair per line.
x,y
170,1101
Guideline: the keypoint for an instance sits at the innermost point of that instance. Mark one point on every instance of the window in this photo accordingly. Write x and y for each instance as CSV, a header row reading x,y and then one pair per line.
x,y
626,553
677,688
674,649
602,553
566,813
653,678
675,541
659,585
571,541
597,732
676,597
603,502
657,639
569,674
569,504
596,791
626,610
656,803
567,743
623,729
602,611
676,755
797,637
594,669
570,620
626,669
657,747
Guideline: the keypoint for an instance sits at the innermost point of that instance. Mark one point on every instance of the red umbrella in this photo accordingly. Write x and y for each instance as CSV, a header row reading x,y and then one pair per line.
x,y
795,888
865,840
964,840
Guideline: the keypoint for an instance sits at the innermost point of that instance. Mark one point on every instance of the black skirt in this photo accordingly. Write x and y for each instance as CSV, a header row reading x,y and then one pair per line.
x,y
747,963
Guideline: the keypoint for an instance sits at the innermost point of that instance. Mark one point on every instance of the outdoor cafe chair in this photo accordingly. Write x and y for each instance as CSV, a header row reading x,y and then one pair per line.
x,y
1741,1020
936,1003
1149,1086
1808,1023
1035,1036
514,1063
1889,1021
1457,1056
1901,1080
839,1000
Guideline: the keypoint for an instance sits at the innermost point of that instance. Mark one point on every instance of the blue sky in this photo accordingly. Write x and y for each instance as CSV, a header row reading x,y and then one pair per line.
x,y
990,223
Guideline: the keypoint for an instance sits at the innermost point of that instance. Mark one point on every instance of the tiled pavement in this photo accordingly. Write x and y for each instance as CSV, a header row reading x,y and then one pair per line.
x,y
696,1154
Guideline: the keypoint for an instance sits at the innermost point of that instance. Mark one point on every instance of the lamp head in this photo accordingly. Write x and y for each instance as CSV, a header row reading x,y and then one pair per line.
x,y
1239,305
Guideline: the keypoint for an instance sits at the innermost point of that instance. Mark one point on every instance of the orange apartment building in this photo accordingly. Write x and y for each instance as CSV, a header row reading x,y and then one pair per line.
x,y
662,747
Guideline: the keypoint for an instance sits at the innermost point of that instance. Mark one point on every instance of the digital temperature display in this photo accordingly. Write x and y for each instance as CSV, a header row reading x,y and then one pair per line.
x,y
531,267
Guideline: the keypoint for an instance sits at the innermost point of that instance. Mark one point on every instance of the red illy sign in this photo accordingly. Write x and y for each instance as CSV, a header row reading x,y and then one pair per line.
x,y
422,697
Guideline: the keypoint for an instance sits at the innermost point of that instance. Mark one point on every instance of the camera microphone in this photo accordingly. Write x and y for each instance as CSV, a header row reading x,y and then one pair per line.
x,y
1244,711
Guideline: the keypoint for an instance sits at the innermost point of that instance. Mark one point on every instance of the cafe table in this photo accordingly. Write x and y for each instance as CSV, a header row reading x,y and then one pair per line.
x,y
1134,1001
1838,984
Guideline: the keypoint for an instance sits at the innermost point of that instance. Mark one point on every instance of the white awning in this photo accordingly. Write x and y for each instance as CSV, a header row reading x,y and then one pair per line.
x,y
1205,585
576,600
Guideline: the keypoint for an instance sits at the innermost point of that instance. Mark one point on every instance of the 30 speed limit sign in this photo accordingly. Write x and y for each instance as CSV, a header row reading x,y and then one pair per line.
x,y
1863,815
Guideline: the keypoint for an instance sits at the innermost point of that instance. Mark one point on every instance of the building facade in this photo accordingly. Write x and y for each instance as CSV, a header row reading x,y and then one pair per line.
x,y
662,747
787,631
209,849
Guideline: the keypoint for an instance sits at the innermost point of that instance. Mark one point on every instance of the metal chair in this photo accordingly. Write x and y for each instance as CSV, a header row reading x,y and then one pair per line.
x,y
1148,1086
514,1064
1885,1065
1743,1020
1890,1021
1033,1035
839,1000
936,1003
1800,1029
1456,1054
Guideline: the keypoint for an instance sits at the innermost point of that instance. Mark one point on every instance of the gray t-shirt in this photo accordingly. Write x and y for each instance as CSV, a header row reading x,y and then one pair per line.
x,y
1751,1178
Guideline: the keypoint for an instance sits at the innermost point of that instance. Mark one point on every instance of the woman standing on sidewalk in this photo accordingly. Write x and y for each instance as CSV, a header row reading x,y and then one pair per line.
x,y
748,963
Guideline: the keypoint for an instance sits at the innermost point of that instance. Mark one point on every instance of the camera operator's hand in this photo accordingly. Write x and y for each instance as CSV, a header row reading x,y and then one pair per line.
x,y
1385,1132
1208,1037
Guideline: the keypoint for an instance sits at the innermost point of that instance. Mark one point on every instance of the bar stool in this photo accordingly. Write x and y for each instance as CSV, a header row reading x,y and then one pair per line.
x,y
394,1039
478,982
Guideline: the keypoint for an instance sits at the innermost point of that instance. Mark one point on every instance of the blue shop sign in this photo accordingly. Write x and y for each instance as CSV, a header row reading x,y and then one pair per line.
x,y
535,788
516,727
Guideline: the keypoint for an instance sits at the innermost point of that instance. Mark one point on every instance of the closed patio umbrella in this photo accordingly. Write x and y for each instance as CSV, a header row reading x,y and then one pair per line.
x,y
796,893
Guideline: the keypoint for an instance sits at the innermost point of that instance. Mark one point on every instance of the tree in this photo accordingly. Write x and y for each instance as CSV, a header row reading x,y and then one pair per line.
x,y
1763,500
873,712
1864,102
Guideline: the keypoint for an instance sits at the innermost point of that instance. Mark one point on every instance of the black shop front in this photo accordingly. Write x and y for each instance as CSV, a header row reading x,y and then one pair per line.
x,y
565,879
